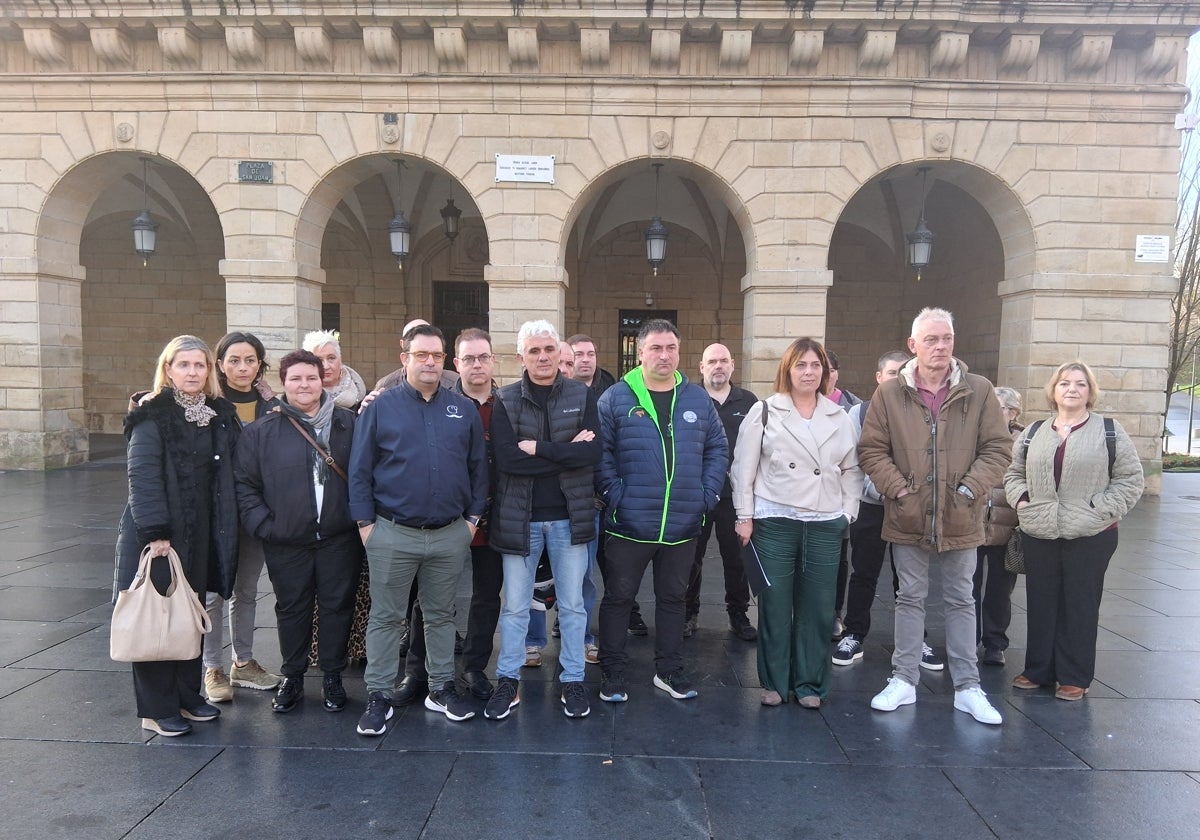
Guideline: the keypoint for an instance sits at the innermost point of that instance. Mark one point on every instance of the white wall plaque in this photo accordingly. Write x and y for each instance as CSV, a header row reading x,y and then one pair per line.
x,y
1156,249
538,169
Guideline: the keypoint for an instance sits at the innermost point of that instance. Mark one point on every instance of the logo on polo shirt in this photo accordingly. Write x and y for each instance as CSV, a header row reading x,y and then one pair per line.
x,y
690,416
452,411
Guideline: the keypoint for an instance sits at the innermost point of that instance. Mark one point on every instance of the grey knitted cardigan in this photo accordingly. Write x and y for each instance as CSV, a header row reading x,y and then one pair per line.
x,y
1086,501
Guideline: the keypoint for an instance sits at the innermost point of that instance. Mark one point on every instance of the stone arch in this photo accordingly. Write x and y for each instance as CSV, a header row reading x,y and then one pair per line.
x,y
707,256
984,237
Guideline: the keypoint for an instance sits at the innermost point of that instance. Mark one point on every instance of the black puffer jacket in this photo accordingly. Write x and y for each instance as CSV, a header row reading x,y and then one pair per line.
x,y
163,493
273,472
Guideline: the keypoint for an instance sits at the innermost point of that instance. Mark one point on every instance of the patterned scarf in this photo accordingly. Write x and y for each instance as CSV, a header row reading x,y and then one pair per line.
x,y
195,409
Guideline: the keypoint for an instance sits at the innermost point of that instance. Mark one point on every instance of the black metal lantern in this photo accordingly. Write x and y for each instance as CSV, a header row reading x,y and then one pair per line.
x,y
920,241
145,229
656,235
399,229
450,219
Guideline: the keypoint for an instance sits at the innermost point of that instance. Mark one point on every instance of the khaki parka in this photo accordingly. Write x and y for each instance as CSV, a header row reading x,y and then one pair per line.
x,y
902,447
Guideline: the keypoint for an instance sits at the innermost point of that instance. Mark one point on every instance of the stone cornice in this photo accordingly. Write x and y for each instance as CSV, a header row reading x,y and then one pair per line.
x,y
968,40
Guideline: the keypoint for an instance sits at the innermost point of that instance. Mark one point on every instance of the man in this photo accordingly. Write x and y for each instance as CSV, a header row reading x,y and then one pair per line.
x,y
394,378
732,403
476,365
587,366
598,380
418,489
934,478
663,466
297,503
867,546
545,435
566,359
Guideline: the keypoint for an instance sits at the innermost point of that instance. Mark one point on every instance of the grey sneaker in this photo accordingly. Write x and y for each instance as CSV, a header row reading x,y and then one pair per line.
x,y
216,686
253,675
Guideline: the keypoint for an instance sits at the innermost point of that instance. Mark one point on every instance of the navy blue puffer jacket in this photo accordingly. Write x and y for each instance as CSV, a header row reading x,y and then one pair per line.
x,y
645,502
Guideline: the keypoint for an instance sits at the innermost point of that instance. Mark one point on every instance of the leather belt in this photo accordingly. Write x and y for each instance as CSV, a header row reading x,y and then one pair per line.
x,y
435,526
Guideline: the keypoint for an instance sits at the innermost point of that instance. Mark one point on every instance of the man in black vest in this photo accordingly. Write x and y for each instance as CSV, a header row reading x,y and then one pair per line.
x,y
545,432
732,404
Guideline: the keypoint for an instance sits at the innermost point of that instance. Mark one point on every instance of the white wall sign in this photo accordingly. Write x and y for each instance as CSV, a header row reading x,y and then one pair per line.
x,y
538,169
1156,249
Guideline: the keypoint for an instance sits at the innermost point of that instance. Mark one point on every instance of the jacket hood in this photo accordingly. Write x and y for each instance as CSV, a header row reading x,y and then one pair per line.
x,y
958,371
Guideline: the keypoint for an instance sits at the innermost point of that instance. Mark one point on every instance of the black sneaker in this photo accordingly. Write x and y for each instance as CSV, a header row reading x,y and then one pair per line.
x,y
447,701
201,712
288,694
741,627
333,692
849,649
612,688
379,712
503,699
574,700
930,661
675,685
637,625
557,631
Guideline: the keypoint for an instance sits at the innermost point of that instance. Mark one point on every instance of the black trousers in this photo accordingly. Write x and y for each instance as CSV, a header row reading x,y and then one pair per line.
x,y
1064,581
868,550
627,561
737,591
993,601
163,688
325,573
839,594
487,579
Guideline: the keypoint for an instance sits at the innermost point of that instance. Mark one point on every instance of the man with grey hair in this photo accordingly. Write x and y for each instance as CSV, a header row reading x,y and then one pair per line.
x,y
545,432
934,443
342,382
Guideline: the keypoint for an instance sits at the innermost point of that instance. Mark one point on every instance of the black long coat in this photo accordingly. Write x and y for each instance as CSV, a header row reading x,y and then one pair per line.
x,y
163,494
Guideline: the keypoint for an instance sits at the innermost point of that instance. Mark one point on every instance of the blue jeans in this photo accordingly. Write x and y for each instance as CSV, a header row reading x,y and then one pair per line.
x,y
569,564
536,636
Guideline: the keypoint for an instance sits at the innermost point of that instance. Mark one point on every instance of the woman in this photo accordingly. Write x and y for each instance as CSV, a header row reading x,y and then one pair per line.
x,y
298,503
796,486
993,603
341,381
241,363
181,496
1070,487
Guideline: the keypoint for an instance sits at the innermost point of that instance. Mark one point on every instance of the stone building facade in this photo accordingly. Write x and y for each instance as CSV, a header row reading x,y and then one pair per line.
x,y
798,142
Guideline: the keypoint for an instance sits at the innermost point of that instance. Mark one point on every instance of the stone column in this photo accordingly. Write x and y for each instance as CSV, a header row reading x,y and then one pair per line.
x,y
1118,324
41,379
278,301
520,293
779,307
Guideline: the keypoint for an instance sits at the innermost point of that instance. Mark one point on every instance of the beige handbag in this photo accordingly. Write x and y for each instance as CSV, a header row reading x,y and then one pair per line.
x,y
150,627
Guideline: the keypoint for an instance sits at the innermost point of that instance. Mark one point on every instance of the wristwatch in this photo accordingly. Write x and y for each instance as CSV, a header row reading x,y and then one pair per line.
x,y
474,520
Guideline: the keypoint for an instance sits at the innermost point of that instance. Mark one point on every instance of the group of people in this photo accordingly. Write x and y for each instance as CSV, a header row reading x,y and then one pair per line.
x,y
599,478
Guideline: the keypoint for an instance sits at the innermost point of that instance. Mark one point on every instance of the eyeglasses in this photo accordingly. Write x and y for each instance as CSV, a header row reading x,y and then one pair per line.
x,y
423,356
482,358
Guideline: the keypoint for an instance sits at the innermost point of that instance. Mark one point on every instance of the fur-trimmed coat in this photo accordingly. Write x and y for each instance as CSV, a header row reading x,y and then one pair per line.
x,y
162,493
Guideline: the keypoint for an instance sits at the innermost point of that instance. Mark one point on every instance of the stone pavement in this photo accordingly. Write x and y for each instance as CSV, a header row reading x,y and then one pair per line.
x,y
1124,763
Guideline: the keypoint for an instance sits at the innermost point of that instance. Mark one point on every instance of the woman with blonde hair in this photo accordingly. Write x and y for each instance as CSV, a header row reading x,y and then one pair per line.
x,y
181,497
1071,480
796,486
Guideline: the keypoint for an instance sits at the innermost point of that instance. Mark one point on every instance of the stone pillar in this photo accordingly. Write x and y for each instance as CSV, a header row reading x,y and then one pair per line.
x,y
41,379
1118,325
520,293
276,300
779,307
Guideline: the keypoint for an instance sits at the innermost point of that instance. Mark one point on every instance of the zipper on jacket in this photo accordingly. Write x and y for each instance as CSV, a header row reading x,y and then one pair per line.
x,y
933,425
669,474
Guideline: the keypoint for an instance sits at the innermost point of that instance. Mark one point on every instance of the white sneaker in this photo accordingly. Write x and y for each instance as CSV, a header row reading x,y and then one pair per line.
x,y
975,703
897,693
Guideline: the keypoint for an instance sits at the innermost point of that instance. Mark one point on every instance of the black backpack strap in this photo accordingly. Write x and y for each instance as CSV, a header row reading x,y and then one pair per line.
x,y
1110,441
763,403
1030,431
862,413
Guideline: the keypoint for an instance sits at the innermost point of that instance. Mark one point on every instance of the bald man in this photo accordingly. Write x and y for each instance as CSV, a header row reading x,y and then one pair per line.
x,y
449,377
732,404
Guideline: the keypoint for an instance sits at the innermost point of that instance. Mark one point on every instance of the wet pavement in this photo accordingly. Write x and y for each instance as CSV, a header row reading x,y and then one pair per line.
x,y
74,761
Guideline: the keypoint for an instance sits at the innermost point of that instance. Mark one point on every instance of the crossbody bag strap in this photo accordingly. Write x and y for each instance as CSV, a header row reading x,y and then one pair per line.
x,y
325,456
1110,440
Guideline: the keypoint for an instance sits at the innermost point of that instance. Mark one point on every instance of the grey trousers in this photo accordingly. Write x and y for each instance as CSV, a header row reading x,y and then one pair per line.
x,y
241,607
957,569
436,558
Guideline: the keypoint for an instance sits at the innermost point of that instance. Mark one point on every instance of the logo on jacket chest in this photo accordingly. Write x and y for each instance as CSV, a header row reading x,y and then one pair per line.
x,y
690,416
453,412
